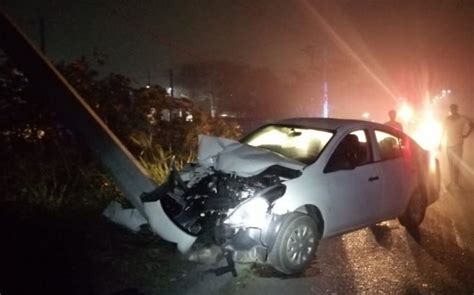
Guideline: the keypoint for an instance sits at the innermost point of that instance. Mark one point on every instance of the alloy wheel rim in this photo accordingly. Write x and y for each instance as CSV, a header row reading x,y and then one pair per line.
x,y
300,245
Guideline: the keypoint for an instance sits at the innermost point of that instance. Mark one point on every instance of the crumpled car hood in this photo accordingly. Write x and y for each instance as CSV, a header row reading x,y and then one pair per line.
x,y
225,155
230,156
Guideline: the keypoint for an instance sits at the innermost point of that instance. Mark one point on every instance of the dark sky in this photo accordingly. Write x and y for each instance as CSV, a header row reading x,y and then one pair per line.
x,y
397,46
159,34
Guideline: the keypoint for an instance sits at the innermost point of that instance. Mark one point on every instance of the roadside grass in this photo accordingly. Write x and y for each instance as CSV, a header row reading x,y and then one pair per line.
x,y
159,162
55,240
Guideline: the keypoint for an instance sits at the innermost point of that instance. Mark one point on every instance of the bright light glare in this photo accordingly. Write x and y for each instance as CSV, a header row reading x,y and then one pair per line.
x,y
360,135
405,112
432,164
345,46
252,213
428,132
366,115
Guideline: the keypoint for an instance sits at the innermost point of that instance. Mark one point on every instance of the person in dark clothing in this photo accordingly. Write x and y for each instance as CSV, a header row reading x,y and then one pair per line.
x,y
392,114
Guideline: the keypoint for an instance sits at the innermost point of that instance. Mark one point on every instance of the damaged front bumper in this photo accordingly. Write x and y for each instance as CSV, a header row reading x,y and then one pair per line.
x,y
249,244
251,237
228,194
157,219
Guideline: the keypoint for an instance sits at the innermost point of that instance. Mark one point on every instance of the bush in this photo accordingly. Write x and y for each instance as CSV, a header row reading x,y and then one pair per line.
x,y
54,177
46,167
159,156
159,161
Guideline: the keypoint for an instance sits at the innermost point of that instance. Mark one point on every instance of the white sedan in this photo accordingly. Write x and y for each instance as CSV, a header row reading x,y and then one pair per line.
x,y
277,192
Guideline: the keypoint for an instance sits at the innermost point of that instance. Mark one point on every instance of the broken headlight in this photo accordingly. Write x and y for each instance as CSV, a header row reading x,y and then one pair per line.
x,y
254,211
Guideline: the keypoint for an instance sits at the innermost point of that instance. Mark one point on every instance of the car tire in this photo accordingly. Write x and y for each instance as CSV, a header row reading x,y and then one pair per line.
x,y
415,211
295,245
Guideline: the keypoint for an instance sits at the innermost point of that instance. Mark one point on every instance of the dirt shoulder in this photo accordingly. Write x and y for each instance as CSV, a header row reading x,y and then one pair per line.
x,y
83,253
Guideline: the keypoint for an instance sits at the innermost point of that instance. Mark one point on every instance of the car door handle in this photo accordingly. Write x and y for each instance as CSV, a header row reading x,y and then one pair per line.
x,y
374,178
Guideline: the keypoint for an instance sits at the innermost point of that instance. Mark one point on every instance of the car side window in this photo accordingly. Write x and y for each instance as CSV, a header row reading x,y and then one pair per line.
x,y
352,151
390,146
365,154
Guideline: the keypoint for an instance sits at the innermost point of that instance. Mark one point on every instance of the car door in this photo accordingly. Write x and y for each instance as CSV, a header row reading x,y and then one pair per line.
x,y
395,172
353,183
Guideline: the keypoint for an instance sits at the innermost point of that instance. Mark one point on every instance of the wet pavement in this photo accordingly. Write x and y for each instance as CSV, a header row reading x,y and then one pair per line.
x,y
82,253
438,259
386,258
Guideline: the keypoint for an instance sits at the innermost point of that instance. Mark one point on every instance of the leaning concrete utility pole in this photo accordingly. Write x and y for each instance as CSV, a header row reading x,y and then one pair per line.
x,y
127,173
77,114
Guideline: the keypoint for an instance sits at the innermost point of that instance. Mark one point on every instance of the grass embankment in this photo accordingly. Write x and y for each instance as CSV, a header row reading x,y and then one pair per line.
x,y
54,239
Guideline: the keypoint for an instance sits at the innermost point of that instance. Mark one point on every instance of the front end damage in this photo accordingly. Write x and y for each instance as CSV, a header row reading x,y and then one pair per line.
x,y
225,209
225,199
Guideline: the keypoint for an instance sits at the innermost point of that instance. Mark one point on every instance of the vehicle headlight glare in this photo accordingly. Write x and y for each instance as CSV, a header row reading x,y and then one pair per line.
x,y
251,213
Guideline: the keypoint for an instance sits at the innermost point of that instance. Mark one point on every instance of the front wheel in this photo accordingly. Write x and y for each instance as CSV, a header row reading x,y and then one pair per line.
x,y
415,211
295,245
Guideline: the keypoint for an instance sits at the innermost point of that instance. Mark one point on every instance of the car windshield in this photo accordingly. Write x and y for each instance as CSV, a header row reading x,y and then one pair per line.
x,y
301,144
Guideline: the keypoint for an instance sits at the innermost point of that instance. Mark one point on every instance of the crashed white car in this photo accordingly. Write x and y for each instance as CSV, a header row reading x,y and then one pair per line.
x,y
277,192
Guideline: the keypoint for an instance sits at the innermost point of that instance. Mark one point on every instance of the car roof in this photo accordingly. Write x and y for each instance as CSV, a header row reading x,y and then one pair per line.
x,y
328,123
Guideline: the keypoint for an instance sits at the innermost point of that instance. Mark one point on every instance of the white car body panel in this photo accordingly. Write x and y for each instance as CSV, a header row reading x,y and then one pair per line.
x,y
354,204
346,199
233,157
394,186
209,147
159,222
165,227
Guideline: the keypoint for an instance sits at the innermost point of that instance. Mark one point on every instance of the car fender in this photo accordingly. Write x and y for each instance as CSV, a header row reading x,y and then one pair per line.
x,y
302,191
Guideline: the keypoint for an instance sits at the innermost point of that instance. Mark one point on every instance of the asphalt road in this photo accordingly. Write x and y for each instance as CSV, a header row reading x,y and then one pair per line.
x,y
437,259
386,259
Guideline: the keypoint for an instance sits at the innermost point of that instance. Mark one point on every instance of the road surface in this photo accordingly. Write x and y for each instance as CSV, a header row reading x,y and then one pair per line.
x,y
437,259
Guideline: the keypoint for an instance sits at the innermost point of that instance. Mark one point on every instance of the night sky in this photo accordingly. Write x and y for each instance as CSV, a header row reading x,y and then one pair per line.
x,y
391,43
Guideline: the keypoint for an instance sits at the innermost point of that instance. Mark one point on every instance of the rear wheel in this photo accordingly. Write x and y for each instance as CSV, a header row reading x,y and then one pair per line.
x,y
295,245
415,211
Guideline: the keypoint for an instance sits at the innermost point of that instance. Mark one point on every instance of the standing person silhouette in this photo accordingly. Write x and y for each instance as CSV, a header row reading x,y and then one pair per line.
x,y
456,127
392,114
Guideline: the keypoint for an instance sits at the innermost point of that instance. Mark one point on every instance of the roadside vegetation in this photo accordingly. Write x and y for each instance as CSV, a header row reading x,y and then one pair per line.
x,y
53,191
47,165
